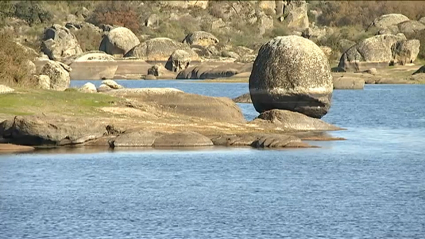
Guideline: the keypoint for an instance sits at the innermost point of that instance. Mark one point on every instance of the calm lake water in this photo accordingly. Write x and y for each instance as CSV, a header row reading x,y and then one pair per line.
x,y
371,185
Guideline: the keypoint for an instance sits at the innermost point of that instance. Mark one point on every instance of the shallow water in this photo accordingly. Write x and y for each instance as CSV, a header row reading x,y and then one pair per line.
x,y
371,185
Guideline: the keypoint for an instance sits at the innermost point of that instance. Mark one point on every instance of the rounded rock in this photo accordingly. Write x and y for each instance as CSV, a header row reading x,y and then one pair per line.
x,y
291,73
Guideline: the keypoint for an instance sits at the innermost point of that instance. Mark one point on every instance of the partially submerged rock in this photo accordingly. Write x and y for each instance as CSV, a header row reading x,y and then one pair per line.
x,y
182,139
293,121
245,98
108,85
211,71
348,83
141,138
291,73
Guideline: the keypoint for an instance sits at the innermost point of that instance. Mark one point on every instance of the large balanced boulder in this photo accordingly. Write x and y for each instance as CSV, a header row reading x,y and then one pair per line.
x,y
201,38
291,73
119,41
379,52
160,49
58,74
59,42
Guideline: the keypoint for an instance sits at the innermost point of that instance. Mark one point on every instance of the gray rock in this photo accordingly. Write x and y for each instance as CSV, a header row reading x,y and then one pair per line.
x,y
405,52
178,61
160,49
143,138
410,27
88,88
388,20
295,13
420,70
212,71
291,73
5,89
373,52
348,83
230,54
293,121
103,88
201,38
182,139
245,98
279,141
58,74
59,42
43,82
92,65
119,40
160,72
112,84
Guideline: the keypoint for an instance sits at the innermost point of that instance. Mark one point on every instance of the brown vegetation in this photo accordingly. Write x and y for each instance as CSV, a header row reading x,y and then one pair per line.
x,y
13,63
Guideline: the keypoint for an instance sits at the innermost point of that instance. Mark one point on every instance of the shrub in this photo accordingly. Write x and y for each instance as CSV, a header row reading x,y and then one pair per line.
x,y
13,63
115,13
32,12
88,39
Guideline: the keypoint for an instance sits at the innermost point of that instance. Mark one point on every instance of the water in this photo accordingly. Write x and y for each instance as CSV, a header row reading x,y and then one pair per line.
x,y
370,186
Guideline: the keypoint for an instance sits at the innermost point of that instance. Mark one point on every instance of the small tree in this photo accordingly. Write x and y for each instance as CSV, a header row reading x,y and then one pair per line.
x,y
115,13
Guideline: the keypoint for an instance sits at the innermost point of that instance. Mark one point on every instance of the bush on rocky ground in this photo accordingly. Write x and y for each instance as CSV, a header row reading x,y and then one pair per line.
x,y
14,62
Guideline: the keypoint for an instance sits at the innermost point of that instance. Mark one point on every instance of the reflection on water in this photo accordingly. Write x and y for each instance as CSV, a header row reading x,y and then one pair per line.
x,y
368,186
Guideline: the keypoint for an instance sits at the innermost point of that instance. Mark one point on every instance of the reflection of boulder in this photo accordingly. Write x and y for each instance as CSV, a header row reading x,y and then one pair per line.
x,y
119,40
277,81
59,42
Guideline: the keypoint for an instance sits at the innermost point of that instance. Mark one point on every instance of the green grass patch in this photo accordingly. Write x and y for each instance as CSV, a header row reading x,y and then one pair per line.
x,y
31,101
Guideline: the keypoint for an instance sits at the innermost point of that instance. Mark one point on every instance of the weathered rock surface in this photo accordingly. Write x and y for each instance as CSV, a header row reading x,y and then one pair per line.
x,y
179,60
293,121
93,65
219,109
88,88
58,74
348,83
279,141
160,49
245,98
379,52
201,38
295,13
291,73
143,138
59,42
43,81
108,85
410,27
14,148
388,20
31,130
160,72
182,139
119,40
5,89
210,71
420,70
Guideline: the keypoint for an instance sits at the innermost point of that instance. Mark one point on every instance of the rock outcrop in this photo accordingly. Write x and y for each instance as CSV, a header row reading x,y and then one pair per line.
x,y
295,14
58,74
93,66
293,121
201,38
119,41
159,49
291,73
142,138
182,139
59,42
5,89
209,71
379,52
388,20
179,60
